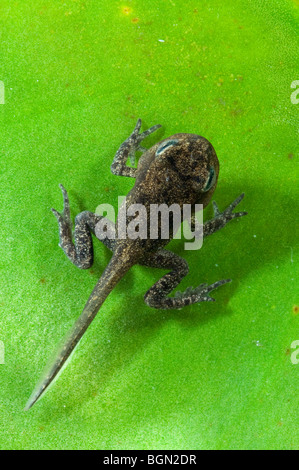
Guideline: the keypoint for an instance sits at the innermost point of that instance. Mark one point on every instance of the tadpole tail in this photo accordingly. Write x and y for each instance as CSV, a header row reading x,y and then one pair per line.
x,y
114,271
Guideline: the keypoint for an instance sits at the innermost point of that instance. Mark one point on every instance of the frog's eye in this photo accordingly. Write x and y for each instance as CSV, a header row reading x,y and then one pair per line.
x,y
210,180
165,145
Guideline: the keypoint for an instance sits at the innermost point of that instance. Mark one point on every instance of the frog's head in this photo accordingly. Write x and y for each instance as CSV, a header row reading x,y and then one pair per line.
x,y
194,161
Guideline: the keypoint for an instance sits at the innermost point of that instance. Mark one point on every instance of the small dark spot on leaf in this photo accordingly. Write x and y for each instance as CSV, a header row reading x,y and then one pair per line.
x,y
296,309
42,280
236,111
127,10
290,156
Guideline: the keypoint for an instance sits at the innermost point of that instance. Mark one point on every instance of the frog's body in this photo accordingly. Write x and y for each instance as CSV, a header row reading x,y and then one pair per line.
x,y
182,169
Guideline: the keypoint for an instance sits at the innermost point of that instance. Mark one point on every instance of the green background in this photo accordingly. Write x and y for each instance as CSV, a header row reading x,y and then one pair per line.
x,y
77,75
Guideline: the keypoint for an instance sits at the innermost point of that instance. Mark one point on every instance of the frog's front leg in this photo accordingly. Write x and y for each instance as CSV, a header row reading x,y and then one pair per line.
x,y
222,218
128,150
157,296
79,253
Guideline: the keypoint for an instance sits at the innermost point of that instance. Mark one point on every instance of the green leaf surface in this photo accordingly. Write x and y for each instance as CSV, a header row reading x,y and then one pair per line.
x,y
77,75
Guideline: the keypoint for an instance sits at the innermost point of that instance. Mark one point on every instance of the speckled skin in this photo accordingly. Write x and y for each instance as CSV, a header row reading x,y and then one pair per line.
x,y
182,169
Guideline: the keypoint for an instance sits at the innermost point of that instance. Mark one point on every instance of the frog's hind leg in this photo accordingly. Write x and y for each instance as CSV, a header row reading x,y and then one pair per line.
x,y
157,295
128,149
80,253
